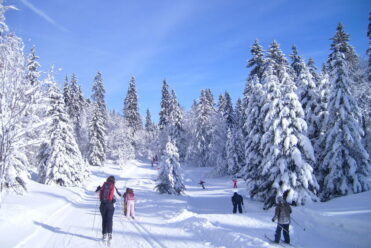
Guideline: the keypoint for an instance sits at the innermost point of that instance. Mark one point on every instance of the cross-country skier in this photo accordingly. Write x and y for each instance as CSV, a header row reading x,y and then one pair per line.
x,y
282,214
202,184
107,208
234,180
237,201
130,201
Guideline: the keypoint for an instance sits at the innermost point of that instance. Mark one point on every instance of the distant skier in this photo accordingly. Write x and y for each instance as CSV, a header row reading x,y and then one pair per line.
x,y
130,201
154,160
107,208
234,180
282,214
202,183
237,201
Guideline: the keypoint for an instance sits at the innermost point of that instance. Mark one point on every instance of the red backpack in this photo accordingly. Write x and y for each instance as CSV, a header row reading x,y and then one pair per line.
x,y
107,192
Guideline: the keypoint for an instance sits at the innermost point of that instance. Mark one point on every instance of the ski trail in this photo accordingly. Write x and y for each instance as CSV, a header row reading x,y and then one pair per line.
x,y
37,230
151,239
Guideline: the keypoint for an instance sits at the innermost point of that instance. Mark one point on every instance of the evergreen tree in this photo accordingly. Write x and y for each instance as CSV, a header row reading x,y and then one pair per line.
x,y
165,106
306,90
97,136
97,126
199,148
60,160
33,73
344,161
99,94
253,122
313,70
288,155
131,107
75,106
257,64
170,180
149,125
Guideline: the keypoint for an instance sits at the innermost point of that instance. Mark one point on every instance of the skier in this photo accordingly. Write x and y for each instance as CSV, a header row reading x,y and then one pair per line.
x,y
125,202
202,184
237,201
234,180
130,201
107,208
154,160
282,214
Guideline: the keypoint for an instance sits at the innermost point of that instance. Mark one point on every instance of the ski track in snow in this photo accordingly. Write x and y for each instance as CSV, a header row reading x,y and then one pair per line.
x,y
199,219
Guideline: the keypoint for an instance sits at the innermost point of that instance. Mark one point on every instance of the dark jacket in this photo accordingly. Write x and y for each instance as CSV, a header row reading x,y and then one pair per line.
x,y
237,199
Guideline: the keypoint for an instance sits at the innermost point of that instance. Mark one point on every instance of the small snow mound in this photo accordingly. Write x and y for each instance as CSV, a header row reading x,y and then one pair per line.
x,y
184,214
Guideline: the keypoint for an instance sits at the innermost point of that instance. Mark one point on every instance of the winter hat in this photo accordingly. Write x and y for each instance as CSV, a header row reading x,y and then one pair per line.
x,y
279,199
111,179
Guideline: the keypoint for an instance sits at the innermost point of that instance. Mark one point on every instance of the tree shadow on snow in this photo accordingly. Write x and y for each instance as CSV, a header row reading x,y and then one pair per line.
x,y
58,230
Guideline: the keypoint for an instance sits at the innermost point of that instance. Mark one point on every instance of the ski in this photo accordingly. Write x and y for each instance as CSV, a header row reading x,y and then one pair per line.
x,y
272,241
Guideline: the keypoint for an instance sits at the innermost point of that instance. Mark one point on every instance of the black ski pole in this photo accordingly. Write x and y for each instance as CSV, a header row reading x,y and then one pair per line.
x,y
298,224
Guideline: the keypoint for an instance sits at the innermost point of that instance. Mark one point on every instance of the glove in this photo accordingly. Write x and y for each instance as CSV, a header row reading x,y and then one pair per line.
x,y
273,220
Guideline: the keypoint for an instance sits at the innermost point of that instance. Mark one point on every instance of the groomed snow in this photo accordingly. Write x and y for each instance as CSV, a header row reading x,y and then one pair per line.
x,y
57,217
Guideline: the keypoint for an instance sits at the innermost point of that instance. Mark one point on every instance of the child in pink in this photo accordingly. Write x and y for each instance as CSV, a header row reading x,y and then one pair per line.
x,y
130,199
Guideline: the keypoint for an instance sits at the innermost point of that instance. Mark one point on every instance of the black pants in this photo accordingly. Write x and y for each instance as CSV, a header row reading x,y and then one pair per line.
x,y
286,233
239,205
106,210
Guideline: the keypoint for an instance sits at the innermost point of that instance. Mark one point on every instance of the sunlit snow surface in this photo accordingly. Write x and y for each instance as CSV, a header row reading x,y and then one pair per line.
x,y
55,217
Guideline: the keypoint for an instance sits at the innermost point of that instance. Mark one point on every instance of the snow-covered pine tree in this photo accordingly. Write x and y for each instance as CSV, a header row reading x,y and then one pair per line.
x,y
256,63
254,130
176,130
97,138
232,159
165,106
60,160
313,70
15,96
97,126
149,125
344,163
170,180
151,136
253,122
131,107
171,121
297,62
98,95
199,150
321,115
288,154
306,90
120,143
239,139
75,107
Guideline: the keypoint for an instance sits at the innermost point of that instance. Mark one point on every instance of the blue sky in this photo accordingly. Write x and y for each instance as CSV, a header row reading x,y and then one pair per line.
x,y
193,44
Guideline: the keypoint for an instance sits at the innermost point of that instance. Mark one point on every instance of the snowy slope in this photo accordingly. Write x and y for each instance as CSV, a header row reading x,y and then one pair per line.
x,y
58,217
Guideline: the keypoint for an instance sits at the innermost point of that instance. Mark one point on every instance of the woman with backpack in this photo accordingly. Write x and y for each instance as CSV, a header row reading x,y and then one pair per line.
x,y
130,202
107,208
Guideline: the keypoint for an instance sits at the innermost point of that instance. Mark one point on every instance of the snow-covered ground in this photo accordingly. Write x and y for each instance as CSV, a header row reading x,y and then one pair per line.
x,y
56,217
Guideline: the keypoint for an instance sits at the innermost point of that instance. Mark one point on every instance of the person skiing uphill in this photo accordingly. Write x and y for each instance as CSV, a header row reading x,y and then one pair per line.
x,y
107,208
237,201
282,214
234,180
